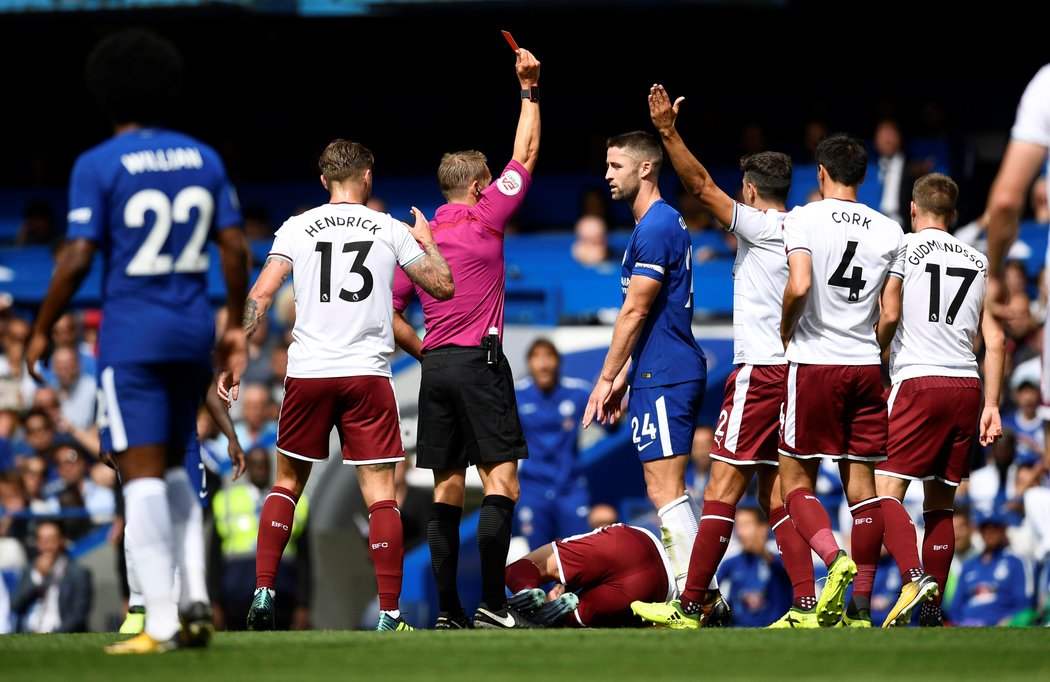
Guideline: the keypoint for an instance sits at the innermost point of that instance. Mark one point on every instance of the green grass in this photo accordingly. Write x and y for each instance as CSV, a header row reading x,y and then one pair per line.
x,y
606,655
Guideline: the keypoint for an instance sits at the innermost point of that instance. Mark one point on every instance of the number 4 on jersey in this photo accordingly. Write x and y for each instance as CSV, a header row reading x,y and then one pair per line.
x,y
855,282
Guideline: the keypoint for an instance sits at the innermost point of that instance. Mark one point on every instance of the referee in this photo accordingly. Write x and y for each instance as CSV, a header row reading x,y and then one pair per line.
x,y
467,410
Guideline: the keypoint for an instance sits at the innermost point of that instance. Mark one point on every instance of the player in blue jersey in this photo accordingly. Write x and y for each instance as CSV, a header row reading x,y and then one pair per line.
x,y
554,500
653,350
149,200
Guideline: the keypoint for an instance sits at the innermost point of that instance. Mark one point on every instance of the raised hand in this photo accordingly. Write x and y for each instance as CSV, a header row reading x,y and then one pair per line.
x,y
528,68
661,111
421,229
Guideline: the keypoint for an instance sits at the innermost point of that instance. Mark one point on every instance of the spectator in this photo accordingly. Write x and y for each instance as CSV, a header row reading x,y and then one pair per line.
x,y
996,587
74,472
55,593
46,399
703,443
34,476
76,390
554,498
14,509
993,487
40,439
1025,421
257,426
754,579
591,246
69,331
232,564
897,173
15,387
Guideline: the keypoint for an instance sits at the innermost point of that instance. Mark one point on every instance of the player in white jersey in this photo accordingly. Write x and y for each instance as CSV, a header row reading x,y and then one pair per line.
x,y
342,256
746,435
1025,156
936,397
840,255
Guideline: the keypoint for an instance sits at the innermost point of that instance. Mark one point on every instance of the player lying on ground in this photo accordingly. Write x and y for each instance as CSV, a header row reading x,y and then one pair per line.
x,y
598,575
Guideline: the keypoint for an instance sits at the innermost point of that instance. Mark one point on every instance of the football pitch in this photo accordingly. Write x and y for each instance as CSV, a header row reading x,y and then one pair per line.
x,y
607,655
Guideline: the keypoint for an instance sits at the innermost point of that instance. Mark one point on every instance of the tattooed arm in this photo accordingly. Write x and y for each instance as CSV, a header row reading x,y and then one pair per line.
x,y
274,274
430,272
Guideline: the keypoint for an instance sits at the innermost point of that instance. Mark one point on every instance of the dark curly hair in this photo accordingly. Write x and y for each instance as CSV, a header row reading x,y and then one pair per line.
x,y
135,75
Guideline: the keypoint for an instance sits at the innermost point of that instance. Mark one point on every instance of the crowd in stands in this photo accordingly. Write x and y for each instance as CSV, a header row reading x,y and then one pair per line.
x,y
55,487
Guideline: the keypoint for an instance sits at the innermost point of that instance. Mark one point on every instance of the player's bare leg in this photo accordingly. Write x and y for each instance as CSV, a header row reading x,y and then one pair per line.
x,y
500,481
152,547
386,540
443,538
679,517
797,479
795,554
275,528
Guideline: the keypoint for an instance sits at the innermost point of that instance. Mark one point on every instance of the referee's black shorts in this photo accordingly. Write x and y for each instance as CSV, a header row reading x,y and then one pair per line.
x,y
468,413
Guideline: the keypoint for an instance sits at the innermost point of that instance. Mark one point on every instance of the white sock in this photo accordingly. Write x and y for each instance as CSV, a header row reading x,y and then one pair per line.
x,y
395,614
679,524
134,591
188,526
151,545
697,514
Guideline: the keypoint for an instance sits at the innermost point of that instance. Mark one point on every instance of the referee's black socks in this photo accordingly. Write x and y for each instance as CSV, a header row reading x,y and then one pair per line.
x,y
443,538
494,526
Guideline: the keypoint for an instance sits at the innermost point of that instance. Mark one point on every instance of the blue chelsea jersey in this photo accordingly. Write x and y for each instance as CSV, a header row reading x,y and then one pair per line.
x,y
666,352
151,200
551,423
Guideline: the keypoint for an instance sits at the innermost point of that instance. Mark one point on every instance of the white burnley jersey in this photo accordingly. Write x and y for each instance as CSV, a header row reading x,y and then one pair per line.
x,y
759,276
854,249
343,258
1033,116
944,282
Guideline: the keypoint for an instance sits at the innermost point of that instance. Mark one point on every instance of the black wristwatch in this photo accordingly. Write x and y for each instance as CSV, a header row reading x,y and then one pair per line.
x,y
531,93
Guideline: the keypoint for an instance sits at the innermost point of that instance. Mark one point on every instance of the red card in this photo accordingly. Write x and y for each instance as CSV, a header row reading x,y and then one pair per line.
x,y
510,40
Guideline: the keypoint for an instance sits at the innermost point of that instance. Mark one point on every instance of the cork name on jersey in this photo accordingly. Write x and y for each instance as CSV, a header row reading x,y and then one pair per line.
x,y
162,160
844,218
320,224
923,249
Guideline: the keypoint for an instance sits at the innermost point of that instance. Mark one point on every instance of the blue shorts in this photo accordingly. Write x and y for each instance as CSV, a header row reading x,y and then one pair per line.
x,y
663,418
150,404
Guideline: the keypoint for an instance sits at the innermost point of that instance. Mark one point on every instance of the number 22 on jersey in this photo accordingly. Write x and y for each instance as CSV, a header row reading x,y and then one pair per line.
x,y
149,260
